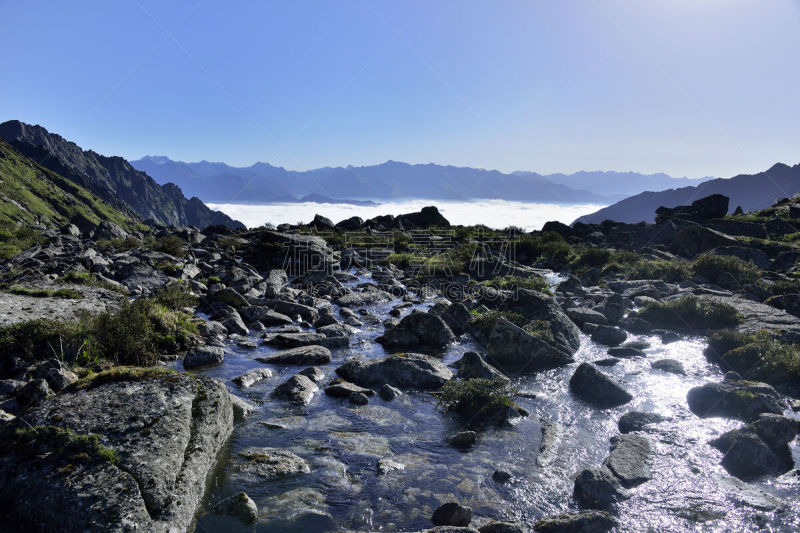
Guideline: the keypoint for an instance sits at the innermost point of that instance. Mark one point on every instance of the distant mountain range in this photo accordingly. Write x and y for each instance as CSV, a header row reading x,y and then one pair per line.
x,y
112,179
750,191
264,183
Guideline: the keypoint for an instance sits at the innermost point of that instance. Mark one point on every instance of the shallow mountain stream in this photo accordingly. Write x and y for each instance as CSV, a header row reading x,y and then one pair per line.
x,y
342,444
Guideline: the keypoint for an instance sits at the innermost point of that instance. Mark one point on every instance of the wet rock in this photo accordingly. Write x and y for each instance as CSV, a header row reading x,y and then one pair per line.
x,y
775,430
501,476
201,356
265,315
596,388
581,315
270,463
302,355
609,335
625,351
452,514
749,456
336,335
165,430
241,408
581,522
387,466
457,316
240,506
693,240
501,527
247,345
343,389
471,365
608,361
314,373
406,370
419,330
298,389
636,325
628,459
212,328
463,439
598,489
389,393
358,398
669,365
6,417
234,323
230,297
251,377
60,378
308,314
534,305
743,400
638,421
512,350
294,340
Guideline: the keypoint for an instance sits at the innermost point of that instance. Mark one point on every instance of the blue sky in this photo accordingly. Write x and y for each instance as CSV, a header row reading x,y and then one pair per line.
x,y
685,87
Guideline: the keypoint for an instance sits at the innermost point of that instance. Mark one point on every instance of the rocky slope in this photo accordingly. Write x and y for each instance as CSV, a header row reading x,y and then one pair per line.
x,y
751,192
112,179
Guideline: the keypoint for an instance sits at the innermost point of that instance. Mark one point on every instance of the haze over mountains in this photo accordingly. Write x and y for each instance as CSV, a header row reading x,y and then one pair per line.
x,y
750,191
264,183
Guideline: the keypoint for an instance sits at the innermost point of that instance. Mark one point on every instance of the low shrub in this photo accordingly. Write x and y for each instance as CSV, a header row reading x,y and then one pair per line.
x,y
670,271
536,283
170,244
41,338
483,323
760,356
14,239
710,266
689,313
67,294
478,399
175,296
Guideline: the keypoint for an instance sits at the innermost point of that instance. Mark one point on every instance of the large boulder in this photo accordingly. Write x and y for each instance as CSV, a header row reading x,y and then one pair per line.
x,y
598,489
427,217
419,330
201,356
694,240
471,366
637,421
712,206
403,370
515,351
534,305
452,514
589,521
298,389
609,335
594,387
743,400
628,459
157,434
749,456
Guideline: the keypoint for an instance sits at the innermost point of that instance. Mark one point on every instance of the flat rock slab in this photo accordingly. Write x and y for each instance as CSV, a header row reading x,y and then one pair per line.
x,y
298,389
743,400
251,377
293,340
757,316
270,463
345,389
165,430
628,459
404,370
18,308
303,355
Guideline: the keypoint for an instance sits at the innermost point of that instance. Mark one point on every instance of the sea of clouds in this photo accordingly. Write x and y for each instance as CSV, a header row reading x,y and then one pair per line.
x,y
492,213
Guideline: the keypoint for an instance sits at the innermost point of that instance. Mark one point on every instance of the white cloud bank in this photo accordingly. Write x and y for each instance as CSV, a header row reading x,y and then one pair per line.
x,y
493,213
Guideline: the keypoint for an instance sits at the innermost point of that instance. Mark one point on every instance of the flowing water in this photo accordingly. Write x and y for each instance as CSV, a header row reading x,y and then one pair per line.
x,y
342,443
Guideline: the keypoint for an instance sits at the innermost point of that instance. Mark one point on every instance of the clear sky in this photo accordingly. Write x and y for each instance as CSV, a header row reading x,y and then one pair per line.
x,y
687,87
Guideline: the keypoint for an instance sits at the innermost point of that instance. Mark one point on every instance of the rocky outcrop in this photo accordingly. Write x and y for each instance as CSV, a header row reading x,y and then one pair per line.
x,y
743,400
534,305
418,330
513,350
157,438
594,387
404,370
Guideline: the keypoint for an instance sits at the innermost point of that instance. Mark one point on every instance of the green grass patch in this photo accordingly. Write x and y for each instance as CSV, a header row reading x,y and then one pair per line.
x,y
760,356
15,238
478,399
124,373
175,296
689,313
710,266
55,444
669,271
534,282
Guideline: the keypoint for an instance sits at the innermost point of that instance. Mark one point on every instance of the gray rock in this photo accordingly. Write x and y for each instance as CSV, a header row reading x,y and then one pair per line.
x,y
251,377
609,335
265,315
165,430
589,521
598,489
463,439
298,389
230,297
596,388
240,506
501,527
389,393
309,314
625,351
302,355
200,356
471,365
270,463
743,400
775,430
34,392
637,421
314,373
457,316
501,476
581,315
407,370
534,305
109,230
358,398
212,328
636,325
512,350
749,456
419,330
234,324
241,408
628,459
669,365
343,389
387,466
60,378
294,340
336,335
452,514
